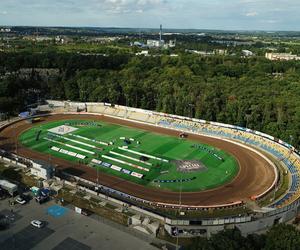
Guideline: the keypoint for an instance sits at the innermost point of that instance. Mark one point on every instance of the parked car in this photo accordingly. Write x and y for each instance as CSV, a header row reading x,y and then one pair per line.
x,y
42,199
21,201
26,197
3,194
86,212
37,223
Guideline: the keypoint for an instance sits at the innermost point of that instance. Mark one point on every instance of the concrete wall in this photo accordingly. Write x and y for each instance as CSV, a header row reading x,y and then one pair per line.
x,y
266,222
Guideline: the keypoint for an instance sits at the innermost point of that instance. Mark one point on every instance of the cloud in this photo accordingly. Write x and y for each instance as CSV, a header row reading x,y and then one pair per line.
x,y
100,6
203,14
272,21
251,14
131,6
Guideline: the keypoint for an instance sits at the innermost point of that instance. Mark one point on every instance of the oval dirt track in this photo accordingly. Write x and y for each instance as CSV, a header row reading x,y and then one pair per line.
x,y
255,176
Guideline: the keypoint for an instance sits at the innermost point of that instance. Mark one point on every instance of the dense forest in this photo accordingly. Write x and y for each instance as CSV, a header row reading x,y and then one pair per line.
x,y
251,92
278,237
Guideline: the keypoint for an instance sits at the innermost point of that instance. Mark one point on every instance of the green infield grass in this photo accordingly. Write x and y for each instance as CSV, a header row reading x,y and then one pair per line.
x,y
157,157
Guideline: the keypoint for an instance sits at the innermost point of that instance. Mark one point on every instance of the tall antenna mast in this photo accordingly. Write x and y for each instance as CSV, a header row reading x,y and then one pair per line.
x,y
160,34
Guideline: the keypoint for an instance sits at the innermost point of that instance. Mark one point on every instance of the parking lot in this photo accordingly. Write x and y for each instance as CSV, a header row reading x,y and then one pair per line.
x,y
64,229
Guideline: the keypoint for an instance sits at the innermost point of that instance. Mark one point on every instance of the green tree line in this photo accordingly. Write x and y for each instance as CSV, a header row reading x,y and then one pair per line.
x,y
254,93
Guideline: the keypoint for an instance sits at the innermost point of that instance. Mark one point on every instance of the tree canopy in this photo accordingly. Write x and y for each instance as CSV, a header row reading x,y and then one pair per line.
x,y
279,237
249,92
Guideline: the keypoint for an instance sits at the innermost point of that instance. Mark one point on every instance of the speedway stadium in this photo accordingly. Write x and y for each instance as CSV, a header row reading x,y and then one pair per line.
x,y
161,162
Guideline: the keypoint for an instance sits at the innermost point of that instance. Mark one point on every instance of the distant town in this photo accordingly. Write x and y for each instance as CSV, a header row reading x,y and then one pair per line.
x,y
152,42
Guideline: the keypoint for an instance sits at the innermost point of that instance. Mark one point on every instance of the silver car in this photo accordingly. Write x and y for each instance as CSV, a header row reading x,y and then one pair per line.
x,y
20,201
37,223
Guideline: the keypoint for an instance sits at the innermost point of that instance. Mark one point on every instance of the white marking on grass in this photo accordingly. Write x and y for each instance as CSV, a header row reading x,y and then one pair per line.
x,y
88,139
138,153
62,130
75,141
80,149
70,146
130,158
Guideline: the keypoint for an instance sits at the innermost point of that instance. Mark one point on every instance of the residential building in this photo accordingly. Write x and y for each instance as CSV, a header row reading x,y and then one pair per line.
x,y
281,56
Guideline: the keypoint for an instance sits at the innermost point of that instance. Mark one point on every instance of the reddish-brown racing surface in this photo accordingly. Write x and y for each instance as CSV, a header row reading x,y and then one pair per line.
x,y
255,175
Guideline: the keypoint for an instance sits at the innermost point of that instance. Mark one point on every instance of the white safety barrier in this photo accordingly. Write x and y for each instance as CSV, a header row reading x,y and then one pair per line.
x,y
140,176
125,163
66,152
114,167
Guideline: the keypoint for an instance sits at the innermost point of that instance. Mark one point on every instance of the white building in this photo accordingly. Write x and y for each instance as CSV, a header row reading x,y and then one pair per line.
x,y
161,43
202,53
5,30
155,43
43,39
172,43
281,56
142,53
40,171
11,188
247,53
221,52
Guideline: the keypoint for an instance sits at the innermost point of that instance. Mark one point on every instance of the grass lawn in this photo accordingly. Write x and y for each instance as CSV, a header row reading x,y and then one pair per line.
x,y
159,170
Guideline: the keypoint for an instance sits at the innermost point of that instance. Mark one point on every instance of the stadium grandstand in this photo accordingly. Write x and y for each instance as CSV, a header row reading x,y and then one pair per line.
x,y
286,156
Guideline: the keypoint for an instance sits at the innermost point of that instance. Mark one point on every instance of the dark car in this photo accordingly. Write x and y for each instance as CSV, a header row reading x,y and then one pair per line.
x,y
23,199
42,199
86,212
3,194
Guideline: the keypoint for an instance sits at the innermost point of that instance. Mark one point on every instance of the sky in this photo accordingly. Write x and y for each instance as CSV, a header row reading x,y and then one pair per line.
x,y
183,14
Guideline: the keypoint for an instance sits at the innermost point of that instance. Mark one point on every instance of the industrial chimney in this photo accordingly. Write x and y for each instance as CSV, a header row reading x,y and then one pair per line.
x,y
160,35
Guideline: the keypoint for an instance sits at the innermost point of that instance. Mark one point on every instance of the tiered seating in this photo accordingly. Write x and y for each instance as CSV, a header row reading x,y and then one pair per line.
x,y
283,154
6,122
294,191
138,116
96,108
120,113
151,119
109,110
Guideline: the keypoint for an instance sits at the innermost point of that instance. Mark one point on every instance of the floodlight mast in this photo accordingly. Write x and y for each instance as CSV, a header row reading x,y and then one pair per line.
x,y
179,211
